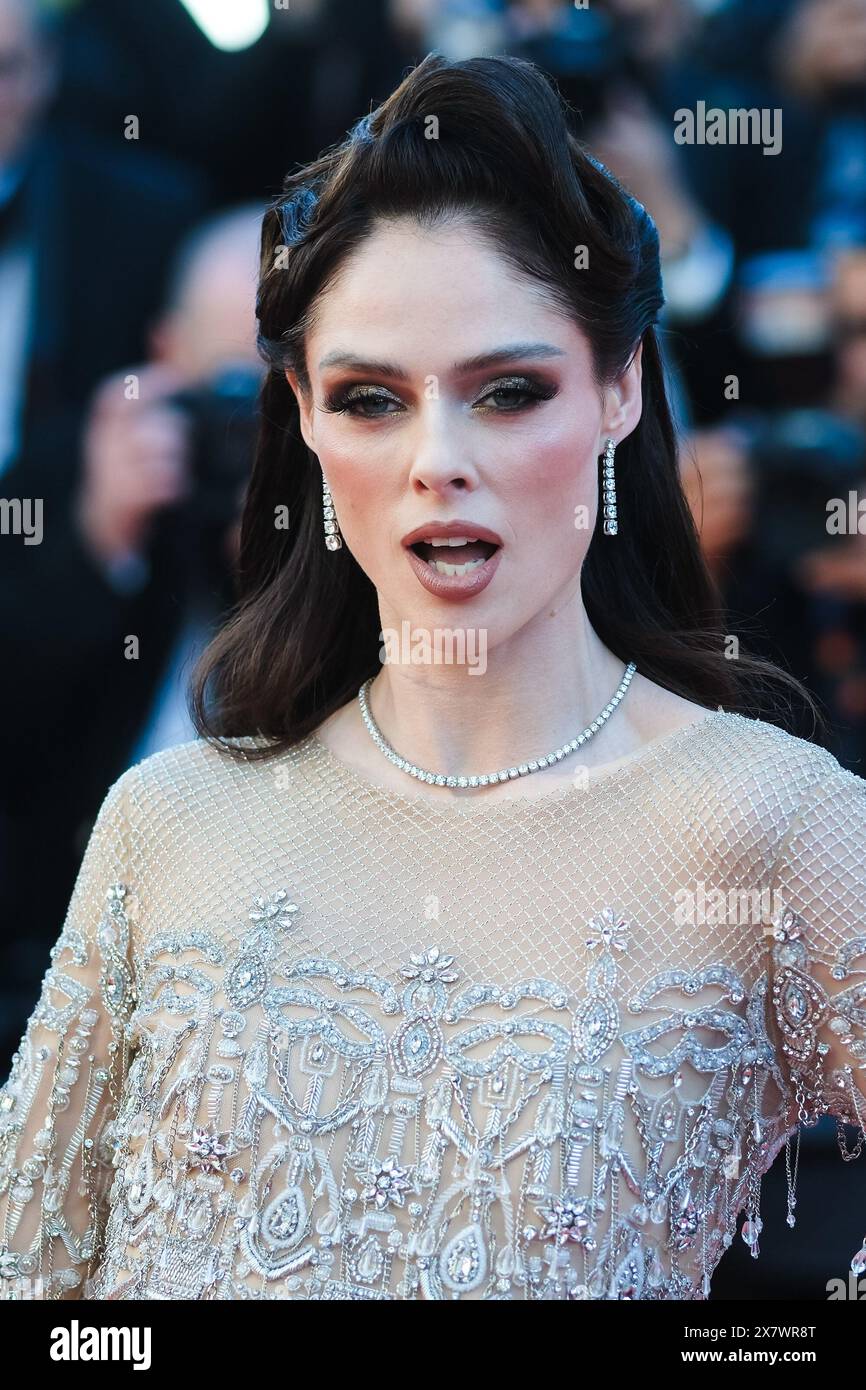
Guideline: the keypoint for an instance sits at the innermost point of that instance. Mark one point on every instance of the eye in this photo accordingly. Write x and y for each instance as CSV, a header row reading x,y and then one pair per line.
x,y
504,397
354,400
516,393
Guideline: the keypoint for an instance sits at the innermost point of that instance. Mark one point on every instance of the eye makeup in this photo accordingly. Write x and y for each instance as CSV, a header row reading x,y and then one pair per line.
x,y
522,391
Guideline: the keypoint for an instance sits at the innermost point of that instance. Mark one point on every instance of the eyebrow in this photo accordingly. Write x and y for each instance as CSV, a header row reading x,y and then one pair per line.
x,y
340,358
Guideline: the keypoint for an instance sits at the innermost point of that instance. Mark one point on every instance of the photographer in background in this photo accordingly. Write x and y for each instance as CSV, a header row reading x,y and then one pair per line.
x,y
182,444
146,566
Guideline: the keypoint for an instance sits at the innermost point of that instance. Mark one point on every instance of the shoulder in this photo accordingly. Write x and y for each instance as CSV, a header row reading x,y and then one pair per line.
x,y
745,743
754,779
741,783
189,777
765,753
735,753
780,756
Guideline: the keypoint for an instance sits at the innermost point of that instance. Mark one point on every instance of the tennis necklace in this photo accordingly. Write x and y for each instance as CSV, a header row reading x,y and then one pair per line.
x,y
485,779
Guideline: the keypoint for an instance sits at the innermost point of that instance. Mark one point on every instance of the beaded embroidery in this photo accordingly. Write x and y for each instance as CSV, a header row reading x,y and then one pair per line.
x,y
207,1108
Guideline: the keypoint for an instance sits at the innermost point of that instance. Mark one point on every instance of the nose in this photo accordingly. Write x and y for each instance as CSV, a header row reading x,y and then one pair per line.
x,y
440,460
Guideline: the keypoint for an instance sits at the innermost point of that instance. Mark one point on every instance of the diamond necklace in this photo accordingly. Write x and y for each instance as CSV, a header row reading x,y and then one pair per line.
x,y
441,779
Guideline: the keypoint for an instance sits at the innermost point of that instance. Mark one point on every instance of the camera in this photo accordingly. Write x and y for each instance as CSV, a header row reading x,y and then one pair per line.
x,y
223,415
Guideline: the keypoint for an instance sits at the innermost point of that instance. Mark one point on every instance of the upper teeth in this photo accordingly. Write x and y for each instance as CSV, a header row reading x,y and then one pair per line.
x,y
449,540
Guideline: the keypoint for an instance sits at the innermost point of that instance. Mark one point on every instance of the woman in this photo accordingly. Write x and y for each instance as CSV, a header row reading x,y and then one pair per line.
x,y
502,961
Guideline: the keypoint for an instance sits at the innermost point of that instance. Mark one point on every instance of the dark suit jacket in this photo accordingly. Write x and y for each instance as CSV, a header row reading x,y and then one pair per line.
x,y
105,222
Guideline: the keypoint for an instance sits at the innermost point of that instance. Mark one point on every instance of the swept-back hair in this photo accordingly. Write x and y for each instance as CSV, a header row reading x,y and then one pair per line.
x,y
488,140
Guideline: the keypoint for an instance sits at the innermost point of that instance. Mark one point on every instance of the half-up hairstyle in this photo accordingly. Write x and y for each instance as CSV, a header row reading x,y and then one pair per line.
x,y
304,632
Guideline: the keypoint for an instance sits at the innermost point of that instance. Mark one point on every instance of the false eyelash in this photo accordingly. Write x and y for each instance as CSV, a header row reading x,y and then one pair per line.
x,y
524,385
341,400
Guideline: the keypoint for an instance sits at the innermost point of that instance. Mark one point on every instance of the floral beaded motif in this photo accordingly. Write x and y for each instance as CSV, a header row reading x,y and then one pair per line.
x,y
484,1145
488,1141
230,1094
802,1007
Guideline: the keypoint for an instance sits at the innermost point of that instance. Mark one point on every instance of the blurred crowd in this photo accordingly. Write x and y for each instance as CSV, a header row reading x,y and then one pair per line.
x,y
136,158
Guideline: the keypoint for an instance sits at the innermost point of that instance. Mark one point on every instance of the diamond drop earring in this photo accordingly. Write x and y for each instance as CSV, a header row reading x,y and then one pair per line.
x,y
333,539
609,490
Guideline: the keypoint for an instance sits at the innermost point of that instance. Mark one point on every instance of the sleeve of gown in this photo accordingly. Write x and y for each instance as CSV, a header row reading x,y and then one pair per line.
x,y
59,1101
818,968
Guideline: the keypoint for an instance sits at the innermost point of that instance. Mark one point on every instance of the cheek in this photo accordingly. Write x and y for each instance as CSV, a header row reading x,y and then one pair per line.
x,y
353,469
358,471
552,472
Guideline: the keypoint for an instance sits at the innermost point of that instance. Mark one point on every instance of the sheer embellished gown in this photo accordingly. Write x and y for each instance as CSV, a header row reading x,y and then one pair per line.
x,y
302,1037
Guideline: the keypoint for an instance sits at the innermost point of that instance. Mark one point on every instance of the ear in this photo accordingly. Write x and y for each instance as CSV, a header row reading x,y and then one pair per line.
x,y
622,402
305,409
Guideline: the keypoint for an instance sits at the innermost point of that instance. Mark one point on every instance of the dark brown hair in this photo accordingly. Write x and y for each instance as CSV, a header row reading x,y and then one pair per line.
x,y
305,631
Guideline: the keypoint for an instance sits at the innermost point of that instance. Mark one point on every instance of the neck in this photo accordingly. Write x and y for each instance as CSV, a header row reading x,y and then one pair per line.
x,y
525,697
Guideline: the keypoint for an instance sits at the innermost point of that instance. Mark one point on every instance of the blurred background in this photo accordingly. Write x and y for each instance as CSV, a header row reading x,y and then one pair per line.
x,y
139,146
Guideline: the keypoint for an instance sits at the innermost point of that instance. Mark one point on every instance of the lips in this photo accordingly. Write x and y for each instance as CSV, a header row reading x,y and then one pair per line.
x,y
452,528
454,559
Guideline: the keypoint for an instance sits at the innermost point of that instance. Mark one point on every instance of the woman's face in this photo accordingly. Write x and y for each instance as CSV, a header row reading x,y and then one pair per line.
x,y
413,429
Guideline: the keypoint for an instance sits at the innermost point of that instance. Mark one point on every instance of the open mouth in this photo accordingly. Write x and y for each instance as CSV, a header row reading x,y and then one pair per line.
x,y
456,555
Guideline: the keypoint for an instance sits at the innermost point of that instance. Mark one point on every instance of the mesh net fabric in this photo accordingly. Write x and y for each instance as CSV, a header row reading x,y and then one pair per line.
x,y
305,1038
